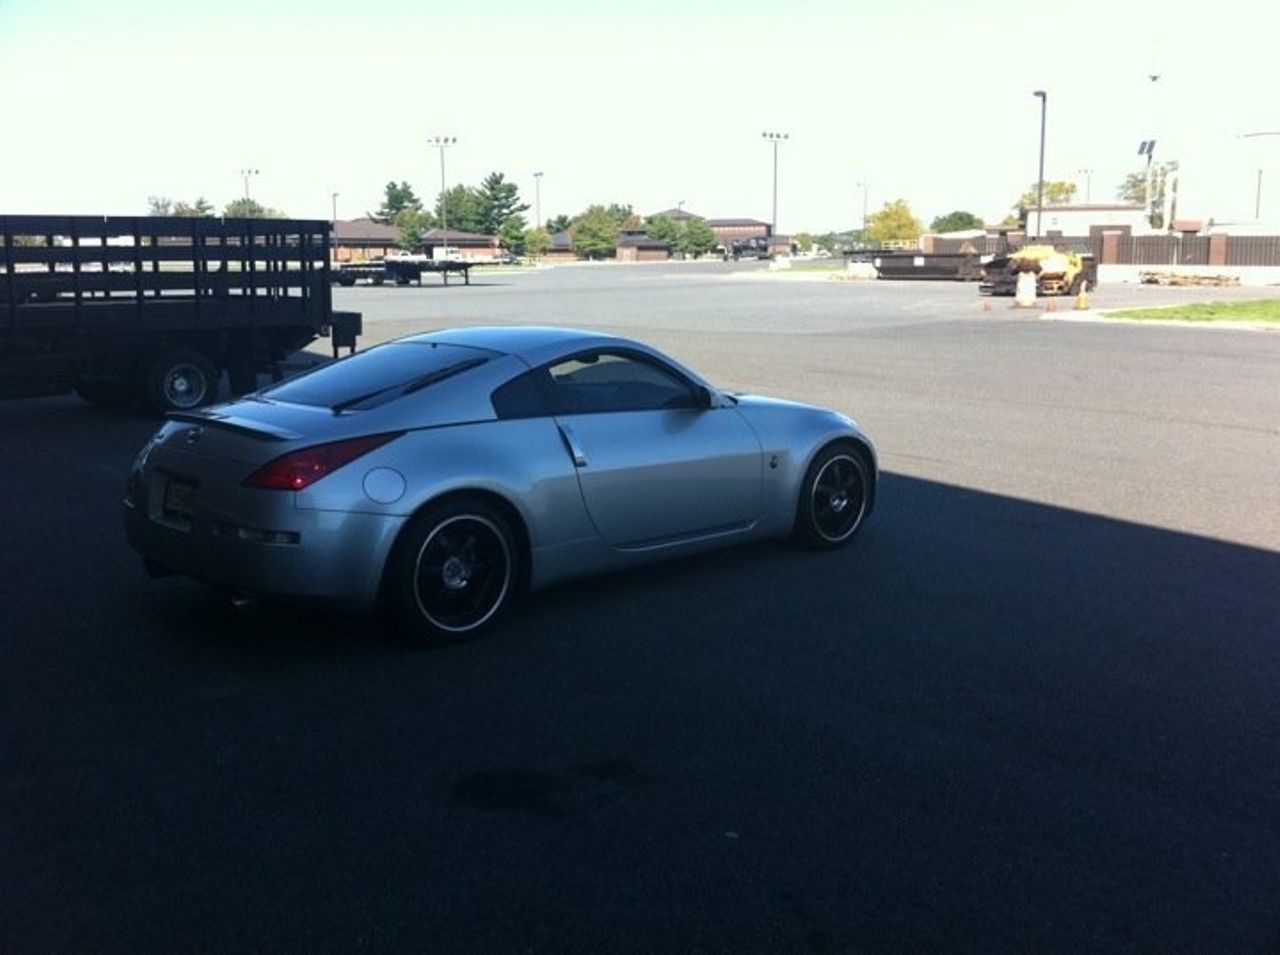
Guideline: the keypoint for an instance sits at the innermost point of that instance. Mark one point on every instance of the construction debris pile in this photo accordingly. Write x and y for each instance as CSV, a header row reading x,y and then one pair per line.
x,y
1179,278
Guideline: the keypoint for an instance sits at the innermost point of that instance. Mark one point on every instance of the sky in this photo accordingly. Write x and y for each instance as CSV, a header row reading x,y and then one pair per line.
x,y
651,104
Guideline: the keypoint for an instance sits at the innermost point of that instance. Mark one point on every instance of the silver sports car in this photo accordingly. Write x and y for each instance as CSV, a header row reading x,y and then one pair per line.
x,y
441,474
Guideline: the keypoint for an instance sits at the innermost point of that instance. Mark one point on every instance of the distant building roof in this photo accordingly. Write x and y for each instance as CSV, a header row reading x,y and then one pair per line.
x,y
641,242
730,223
364,230
461,238
1092,207
678,214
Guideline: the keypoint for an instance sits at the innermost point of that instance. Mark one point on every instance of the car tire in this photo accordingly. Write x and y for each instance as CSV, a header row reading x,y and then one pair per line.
x,y
181,380
834,497
455,571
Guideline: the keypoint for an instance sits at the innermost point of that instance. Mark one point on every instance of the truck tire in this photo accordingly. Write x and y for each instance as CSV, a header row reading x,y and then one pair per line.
x,y
181,380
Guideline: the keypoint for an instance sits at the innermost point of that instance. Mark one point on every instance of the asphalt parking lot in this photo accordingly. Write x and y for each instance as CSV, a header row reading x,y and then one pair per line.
x,y
1032,708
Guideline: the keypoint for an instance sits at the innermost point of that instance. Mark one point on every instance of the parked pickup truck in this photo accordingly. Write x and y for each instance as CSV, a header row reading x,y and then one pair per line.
x,y
400,269
154,309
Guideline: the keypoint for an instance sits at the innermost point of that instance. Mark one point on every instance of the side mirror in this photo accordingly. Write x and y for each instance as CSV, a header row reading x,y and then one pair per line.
x,y
703,398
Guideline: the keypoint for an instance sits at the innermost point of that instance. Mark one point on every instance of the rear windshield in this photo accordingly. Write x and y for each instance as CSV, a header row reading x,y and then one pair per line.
x,y
381,374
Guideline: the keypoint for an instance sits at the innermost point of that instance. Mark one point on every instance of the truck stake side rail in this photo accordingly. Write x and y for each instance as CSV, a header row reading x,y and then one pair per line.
x,y
99,304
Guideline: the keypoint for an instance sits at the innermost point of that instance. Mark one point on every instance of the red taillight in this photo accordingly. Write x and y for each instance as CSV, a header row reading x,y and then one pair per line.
x,y
298,469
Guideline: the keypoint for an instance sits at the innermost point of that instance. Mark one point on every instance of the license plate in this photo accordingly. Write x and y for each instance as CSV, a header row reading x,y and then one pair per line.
x,y
179,498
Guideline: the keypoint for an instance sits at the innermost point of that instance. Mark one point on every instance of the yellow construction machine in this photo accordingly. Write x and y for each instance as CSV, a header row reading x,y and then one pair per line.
x,y
1057,272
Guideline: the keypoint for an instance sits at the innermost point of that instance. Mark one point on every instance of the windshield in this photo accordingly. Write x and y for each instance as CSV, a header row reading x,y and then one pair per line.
x,y
381,374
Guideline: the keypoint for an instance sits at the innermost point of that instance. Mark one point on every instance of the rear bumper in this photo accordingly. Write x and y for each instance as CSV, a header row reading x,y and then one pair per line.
x,y
332,556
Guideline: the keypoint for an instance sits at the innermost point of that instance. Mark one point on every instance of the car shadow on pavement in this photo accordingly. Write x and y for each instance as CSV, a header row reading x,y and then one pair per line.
x,y
986,719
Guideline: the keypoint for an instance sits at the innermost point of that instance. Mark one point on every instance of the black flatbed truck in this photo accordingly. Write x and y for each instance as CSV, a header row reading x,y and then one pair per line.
x,y
154,309
401,270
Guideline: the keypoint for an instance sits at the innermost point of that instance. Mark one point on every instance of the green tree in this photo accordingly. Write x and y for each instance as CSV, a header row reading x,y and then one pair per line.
x,y
536,242
1058,192
837,242
200,208
623,216
663,229
1134,189
250,209
396,198
159,206
956,222
595,233
558,224
892,223
804,241
696,238
463,210
512,233
498,200
412,224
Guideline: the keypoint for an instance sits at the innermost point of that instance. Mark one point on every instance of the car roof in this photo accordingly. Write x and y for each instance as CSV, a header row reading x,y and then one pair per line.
x,y
529,342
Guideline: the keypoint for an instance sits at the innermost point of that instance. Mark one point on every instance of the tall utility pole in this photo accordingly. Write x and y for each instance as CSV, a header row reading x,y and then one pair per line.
x,y
775,138
863,187
537,200
1148,148
1257,194
1044,108
442,143
245,174
1088,183
334,231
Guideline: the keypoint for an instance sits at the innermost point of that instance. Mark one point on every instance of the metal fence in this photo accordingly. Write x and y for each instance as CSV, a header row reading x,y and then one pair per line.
x,y
1136,249
1253,250
1162,250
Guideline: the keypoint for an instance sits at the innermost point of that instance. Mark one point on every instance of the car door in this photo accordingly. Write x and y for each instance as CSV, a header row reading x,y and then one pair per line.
x,y
655,464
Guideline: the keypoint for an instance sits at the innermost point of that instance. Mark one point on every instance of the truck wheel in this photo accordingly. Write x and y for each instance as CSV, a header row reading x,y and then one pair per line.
x,y
181,380
104,392
377,280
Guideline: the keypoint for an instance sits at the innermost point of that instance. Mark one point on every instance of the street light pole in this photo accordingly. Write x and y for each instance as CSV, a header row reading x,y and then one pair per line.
x,y
442,143
1088,183
1044,108
537,200
863,187
1257,195
775,138
334,230
245,173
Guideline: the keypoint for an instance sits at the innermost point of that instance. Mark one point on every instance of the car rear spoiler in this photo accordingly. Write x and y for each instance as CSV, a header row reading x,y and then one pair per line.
x,y
258,429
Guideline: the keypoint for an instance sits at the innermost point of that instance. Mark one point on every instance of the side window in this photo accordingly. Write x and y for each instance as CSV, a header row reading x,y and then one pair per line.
x,y
615,381
520,397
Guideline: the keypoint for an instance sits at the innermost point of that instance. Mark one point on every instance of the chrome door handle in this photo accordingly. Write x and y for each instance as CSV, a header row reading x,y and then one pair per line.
x,y
571,443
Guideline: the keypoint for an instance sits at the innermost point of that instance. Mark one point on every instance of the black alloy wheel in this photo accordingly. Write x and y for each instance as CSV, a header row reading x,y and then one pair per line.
x,y
458,571
833,498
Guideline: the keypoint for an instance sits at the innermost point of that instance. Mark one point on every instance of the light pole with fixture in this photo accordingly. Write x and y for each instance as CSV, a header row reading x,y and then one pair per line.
x,y
775,138
863,187
537,200
334,230
1088,183
1257,195
442,143
245,173
1044,108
